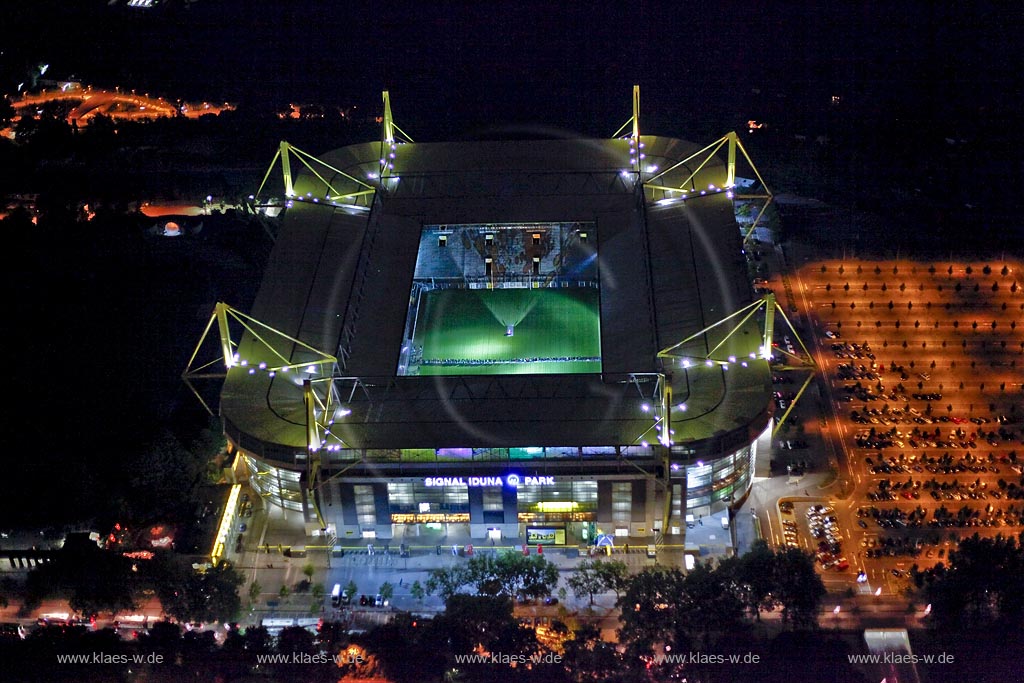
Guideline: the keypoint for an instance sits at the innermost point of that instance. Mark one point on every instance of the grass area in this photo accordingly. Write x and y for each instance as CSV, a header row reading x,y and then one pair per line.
x,y
470,324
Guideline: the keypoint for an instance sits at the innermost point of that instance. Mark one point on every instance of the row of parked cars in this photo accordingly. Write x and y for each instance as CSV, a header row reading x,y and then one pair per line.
x,y
340,598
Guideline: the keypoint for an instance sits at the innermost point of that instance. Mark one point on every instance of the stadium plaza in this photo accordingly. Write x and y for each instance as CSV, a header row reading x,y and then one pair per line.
x,y
501,340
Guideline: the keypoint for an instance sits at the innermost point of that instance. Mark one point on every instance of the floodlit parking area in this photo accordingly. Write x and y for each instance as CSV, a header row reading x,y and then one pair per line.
x,y
815,527
924,364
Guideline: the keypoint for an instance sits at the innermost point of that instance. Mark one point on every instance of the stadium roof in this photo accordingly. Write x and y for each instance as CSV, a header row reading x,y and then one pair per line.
x,y
339,280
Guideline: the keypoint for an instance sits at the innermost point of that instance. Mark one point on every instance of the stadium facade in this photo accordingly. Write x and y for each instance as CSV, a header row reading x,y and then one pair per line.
x,y
503,321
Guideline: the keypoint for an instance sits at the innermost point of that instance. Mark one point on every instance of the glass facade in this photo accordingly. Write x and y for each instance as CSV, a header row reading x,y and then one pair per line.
x,y
366,511
713,484
721,480
282,487
563,501
453,455
622,502
415,498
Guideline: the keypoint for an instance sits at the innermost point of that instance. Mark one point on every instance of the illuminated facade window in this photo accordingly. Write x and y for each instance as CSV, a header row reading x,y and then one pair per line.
x,y
366,510
492,501
280,486
622,502
723,480
677,501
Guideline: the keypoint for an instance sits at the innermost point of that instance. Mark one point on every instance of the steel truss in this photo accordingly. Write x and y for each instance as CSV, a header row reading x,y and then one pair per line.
x,y
770,307
274,351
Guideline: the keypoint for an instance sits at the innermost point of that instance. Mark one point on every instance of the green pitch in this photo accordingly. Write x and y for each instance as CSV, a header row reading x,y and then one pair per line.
x,y
470,325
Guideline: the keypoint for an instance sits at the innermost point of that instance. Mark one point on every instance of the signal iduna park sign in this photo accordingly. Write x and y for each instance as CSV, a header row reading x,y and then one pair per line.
x,y
512,480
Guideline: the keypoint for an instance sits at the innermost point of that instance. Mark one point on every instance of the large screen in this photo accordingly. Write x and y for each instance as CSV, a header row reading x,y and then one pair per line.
x,y
499,299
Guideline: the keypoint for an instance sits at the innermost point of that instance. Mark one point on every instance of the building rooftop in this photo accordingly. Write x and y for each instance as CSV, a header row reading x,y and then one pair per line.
x,y
339,281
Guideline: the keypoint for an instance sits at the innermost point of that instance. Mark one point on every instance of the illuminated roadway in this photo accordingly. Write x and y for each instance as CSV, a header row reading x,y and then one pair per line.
x,y
114,104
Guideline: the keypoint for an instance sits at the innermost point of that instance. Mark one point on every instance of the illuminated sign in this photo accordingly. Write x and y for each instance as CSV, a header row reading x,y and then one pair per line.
x,y
513,480
545,536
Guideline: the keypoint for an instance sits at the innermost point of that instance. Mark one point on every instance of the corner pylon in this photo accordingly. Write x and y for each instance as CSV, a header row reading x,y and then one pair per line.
x,y
286,151
272,352
712,356
272,349
632,125
766,195
731,142
389,142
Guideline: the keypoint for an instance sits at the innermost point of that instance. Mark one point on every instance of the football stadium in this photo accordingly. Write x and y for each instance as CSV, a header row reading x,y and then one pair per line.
x,y
503,339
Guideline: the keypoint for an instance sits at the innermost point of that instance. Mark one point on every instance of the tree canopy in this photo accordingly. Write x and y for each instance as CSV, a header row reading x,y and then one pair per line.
x,y
506,574
980,586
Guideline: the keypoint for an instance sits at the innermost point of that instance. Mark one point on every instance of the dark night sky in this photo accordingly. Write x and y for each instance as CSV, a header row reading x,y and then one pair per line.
x,y
455,67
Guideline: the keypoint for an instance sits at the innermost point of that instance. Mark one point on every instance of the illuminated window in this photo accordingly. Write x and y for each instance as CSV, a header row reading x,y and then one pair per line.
x,y
677,501
536,238
487,267
583,237
492,499
442,240
536,266
622,502
366,510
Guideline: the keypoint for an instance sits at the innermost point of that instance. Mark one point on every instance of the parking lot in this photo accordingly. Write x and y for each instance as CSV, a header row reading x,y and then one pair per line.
x,y
923,365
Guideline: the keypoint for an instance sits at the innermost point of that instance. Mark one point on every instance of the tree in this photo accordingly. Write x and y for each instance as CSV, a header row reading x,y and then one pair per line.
x,y
647,614
351,589
709,606
295,640
399,650
90,579
482,620
980,587
417,591
447,581
165,471
6,110
539,577
254,591
755,572
511,574
586,581
387,590
308,570
188,595
798,587
598,576
590,658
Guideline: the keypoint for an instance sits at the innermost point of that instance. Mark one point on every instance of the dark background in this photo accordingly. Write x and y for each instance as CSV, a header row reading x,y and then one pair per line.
x,y
458,66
